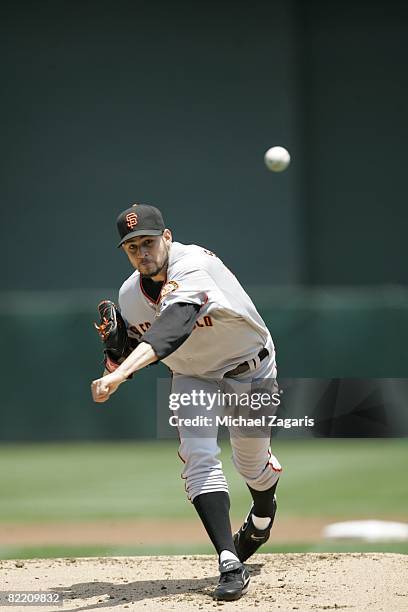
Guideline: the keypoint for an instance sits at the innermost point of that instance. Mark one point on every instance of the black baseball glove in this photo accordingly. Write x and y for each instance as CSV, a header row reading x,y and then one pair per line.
x,y
112,330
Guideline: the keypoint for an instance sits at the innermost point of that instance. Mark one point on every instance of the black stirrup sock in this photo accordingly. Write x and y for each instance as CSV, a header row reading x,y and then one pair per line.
x,y
263,501
213,510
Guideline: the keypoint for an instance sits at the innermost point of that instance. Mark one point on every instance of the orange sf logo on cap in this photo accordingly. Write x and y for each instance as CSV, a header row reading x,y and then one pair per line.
x,y
131,220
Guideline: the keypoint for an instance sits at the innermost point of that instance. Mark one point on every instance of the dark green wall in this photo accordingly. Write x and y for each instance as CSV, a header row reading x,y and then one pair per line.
x,y
174,103
355,120
51,353
170,103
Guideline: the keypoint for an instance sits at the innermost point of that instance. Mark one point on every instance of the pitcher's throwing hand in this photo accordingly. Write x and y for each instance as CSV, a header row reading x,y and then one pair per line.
x,y
102,388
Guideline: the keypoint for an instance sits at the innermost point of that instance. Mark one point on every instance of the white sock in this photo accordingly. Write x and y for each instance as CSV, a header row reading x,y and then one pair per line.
x,y
261,522
227,555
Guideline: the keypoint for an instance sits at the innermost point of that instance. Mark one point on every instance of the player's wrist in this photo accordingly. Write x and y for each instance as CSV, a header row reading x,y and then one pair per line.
x,y
120,375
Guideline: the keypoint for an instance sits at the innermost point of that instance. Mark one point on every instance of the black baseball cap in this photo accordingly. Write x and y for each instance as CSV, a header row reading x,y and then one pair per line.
x,y
139,220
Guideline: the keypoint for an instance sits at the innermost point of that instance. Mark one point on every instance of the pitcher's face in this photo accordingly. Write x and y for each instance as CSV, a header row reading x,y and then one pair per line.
x,y
149,254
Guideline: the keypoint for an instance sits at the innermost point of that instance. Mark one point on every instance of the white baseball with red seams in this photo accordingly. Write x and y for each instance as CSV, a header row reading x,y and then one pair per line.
x,y
228,332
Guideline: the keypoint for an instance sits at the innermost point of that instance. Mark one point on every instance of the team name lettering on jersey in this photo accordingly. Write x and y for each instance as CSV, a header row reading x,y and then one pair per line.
x,y
204,322
140,328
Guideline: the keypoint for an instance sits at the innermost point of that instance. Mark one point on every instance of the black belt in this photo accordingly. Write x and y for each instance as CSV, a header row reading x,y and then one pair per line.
x,y
244,367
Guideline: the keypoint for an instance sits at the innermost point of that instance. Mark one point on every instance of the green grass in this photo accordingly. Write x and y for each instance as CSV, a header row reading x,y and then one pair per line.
x,y
52,552
338,479
89,481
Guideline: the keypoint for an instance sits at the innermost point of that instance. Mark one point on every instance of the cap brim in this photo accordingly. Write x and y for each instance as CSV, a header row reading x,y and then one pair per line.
x,y
141,232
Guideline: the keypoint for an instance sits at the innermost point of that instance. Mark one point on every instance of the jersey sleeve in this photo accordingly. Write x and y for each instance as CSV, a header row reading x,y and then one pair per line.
x,y
170,330
126,304
185,286
123,297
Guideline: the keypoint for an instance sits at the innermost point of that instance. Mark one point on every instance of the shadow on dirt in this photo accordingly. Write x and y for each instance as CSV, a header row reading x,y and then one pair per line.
x,y
113,594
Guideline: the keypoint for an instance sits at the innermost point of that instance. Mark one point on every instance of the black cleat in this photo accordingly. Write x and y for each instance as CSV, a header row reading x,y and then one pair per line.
x,y
248,538
234,581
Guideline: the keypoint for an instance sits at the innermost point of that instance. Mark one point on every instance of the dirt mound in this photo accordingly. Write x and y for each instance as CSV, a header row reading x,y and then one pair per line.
x,y
278,582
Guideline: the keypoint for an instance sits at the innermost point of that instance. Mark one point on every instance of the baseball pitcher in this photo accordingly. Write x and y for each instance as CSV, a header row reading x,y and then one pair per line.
x,y
184,307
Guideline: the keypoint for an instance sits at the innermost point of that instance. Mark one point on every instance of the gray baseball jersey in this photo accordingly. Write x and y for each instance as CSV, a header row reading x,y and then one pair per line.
x,y
228,330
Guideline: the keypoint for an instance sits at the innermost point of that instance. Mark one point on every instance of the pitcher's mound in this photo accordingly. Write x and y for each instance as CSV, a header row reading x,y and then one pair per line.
x,y
284,582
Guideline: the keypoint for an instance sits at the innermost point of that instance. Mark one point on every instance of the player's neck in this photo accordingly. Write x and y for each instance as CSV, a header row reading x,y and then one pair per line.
x,y
161,276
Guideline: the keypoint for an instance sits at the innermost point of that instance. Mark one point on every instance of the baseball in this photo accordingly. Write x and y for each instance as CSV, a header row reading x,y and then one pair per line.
x,y
277,159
